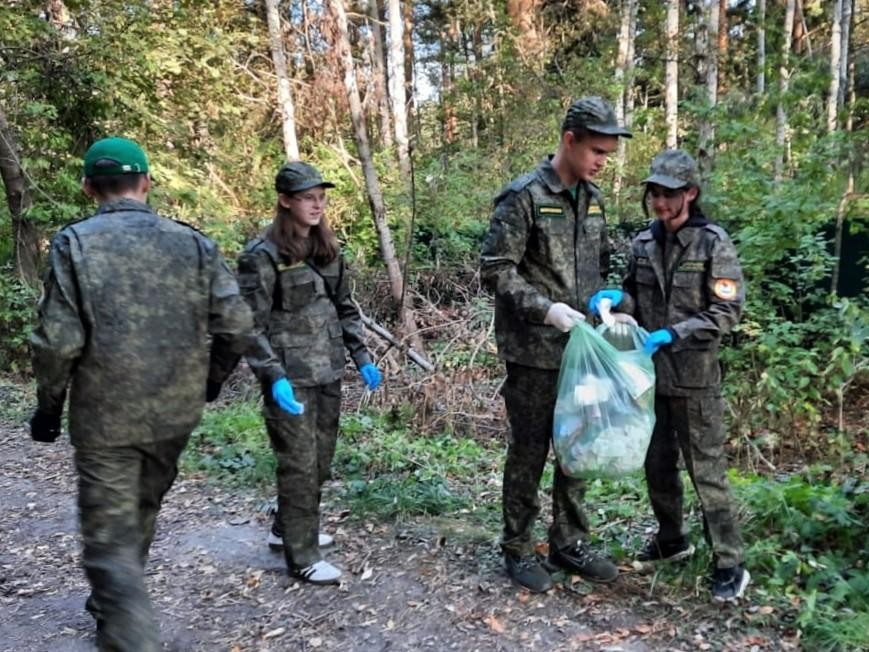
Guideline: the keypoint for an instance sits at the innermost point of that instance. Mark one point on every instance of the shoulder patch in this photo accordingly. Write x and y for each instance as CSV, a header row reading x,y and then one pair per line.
x,y
550,210
717,230
725,289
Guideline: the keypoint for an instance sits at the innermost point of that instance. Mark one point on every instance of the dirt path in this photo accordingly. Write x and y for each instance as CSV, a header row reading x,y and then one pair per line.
x,y
409,586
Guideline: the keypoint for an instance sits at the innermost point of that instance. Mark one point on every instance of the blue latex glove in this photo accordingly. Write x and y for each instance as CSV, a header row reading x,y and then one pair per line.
x,y
613,295
282,392
371,375
656,340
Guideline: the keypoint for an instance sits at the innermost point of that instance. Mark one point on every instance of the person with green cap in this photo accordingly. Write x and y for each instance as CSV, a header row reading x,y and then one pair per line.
x,y
295,279
545,254
129,303
684,284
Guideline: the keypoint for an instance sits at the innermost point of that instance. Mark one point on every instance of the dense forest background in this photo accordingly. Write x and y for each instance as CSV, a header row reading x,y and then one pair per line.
x,y
420,112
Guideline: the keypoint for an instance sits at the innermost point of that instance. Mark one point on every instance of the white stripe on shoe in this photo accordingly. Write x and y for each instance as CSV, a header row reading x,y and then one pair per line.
x,y
321,572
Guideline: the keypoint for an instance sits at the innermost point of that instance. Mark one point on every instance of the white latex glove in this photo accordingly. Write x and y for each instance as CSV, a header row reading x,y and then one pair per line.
x,y
563,317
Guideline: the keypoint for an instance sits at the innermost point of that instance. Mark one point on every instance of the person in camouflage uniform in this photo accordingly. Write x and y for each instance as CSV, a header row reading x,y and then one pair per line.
x,y
684,284
545,254
130,300
295,280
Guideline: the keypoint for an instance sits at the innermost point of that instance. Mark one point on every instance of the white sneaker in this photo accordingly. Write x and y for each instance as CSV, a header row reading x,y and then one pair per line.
x,y
276,543
321,572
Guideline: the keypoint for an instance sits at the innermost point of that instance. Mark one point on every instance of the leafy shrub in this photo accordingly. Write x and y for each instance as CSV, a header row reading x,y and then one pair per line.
x,y
17,313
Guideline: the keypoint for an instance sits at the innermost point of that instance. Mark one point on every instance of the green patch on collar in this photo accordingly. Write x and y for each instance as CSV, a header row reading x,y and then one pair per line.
x,y
550,210
692,266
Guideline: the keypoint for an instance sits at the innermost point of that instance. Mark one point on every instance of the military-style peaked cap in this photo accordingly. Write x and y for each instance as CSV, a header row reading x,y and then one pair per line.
x,y
594,114
673,168
298,176
112,156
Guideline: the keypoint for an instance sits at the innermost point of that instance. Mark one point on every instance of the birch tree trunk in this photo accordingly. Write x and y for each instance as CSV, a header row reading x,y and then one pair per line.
x,y
781,116
623,82
379,73
372,184
847,16
397,91
849,184
761,47
672,74
835,67
707,125
24,232
285,95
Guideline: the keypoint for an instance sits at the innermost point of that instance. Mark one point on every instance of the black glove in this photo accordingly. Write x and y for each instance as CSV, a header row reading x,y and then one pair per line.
x,y
44,427
212,390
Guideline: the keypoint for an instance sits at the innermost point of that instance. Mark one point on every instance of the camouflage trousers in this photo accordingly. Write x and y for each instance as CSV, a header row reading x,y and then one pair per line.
x,y
694,425
120,492
304,446
529,395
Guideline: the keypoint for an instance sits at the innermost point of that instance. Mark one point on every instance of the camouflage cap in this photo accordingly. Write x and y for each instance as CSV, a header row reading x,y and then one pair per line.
x,y
673,168
594,114
298,176
112,156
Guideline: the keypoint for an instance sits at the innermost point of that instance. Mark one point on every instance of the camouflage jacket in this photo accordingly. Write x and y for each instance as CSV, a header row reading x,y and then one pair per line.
x,y
301,325
701,302
130,299
542,247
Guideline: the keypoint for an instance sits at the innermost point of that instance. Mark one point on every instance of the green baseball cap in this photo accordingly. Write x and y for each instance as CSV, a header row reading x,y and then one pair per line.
x,y
594,114
673,168
298,176
112,156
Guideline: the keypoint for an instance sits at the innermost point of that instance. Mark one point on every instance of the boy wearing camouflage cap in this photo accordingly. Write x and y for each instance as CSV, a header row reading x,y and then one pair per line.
x,y
545,254
684,284
129,302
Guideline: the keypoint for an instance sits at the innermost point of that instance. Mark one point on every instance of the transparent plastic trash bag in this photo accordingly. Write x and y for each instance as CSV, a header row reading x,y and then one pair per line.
x,y
605,410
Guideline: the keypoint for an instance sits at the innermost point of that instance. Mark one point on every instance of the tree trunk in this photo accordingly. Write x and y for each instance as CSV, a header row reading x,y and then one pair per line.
x,y
18,199
847,17
672,74
801,31
849,184
835,66
397,90
623,82
409,101
781,116
285,95
372,184
706,146
761,47
379,73
723,43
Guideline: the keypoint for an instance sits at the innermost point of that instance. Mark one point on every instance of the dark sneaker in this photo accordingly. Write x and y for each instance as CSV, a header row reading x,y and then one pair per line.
x,y
527,571
655,550
580,560
728,584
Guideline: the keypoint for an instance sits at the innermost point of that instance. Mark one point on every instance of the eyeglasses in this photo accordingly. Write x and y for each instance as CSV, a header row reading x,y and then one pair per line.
x,y
656,192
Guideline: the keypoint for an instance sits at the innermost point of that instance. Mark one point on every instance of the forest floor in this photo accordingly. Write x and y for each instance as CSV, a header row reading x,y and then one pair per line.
x,y
418,583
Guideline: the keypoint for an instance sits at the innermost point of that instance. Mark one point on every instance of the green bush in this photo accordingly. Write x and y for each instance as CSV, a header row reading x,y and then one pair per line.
x,y
17,314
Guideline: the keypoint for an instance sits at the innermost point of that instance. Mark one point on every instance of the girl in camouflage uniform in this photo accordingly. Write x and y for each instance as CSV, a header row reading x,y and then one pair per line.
x,y
294,279
684,284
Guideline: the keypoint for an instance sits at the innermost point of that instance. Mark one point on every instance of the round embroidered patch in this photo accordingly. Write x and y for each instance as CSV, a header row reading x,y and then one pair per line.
x,y
725,289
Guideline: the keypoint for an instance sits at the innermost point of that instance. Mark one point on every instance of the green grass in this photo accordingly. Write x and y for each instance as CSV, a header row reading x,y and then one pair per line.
x,y
231,444
805,533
